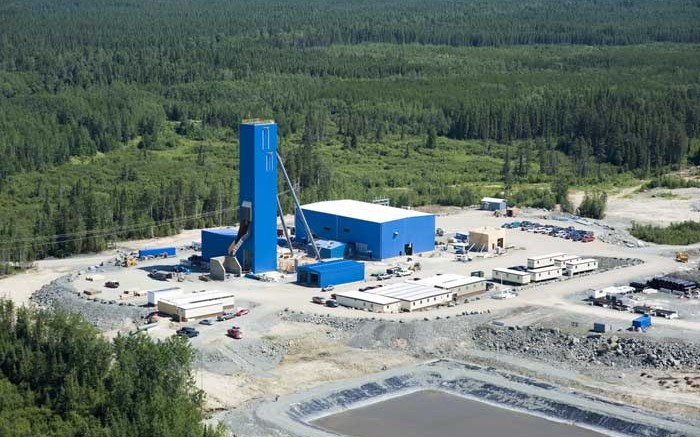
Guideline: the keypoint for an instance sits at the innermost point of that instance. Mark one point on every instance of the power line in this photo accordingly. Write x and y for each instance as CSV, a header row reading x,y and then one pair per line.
x,y
102,232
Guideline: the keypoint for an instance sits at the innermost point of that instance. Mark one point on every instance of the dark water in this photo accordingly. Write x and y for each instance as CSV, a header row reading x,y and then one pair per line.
x,y
432,413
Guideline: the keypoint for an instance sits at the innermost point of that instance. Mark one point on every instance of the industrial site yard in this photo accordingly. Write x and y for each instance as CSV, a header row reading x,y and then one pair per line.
x,y
292,345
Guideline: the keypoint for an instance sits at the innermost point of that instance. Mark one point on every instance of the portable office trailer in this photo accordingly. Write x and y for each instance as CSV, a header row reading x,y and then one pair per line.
x,y
511,276
368,301
562,260
493,204
545,273
535,262
581,266
164,293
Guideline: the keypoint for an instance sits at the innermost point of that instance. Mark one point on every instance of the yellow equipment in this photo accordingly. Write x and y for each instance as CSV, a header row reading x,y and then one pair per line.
x,y
682,257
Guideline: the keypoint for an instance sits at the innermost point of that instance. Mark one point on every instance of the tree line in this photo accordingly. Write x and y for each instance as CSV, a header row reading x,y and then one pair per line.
x,y
119,119
60,378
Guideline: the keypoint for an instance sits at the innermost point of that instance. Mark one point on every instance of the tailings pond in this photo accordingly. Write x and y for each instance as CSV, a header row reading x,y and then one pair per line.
x,y
440,414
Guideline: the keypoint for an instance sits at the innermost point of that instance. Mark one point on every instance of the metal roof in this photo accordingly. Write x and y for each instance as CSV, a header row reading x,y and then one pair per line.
x,y
541,257
566,258
581,261
544,269
369,212
408,291
330,265
449,280
367,297
221,231
492,200
212,295
510,271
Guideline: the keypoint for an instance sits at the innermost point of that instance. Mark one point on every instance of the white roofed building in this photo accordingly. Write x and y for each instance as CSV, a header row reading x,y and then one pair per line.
x,y
369,230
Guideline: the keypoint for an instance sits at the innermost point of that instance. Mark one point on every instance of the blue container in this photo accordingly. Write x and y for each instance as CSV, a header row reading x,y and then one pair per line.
x,y
642,322
334,272
216,242
157,252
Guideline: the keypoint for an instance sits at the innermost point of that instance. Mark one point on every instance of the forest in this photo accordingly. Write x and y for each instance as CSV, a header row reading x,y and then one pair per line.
x,y
59,377
118,119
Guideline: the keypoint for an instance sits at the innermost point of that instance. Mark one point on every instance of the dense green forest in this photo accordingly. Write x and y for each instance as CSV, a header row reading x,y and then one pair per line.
x,y
59,377
680,234
118,119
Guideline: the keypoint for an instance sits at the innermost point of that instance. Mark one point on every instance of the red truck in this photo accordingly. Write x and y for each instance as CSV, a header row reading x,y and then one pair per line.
x,y
235,332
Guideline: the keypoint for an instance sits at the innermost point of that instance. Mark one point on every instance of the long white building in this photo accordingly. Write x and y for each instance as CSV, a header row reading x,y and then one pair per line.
x,y
500,274
368,301
197,305
457,284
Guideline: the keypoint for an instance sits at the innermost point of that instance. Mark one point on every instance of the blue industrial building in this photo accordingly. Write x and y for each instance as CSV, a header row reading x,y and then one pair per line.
x,y
493,204
216,242
330,249
332,272
257,234
369,230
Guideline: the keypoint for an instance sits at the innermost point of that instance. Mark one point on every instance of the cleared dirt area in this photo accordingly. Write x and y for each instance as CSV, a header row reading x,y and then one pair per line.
x,y
291,344
659,206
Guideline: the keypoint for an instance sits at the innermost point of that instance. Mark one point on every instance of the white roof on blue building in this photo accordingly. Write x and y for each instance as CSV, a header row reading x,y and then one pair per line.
x,y
362,210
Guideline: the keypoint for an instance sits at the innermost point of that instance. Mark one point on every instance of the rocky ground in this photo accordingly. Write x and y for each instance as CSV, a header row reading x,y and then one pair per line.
x,y
552,345
104,314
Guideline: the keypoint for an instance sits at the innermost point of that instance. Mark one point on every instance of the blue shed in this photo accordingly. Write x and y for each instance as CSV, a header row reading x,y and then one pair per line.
x,y
330,249
157,252
369,230
215,242
493,204
335,272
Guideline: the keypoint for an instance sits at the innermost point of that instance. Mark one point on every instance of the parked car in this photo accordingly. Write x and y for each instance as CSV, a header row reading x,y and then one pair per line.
x,y
328,288
225,316
242,312
332,303
319,300
206,322
112,284
384,276
235,332
187,331
403,272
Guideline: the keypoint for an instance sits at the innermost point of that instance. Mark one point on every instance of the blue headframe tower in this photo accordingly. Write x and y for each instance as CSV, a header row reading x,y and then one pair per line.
x,y
256,244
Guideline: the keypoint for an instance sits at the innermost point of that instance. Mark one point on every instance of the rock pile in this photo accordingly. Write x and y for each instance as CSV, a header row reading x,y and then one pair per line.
x,y
551,345
102,313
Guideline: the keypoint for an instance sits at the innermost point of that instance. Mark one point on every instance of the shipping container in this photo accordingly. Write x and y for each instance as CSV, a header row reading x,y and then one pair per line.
x,y
163,252
642,322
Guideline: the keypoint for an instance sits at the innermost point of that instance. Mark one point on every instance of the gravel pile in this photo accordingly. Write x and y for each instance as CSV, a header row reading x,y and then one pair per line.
x,y
610,263
433,337
103,314
553,346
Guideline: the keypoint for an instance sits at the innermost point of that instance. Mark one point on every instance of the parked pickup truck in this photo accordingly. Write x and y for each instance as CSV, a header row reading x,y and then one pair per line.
x,y
319,300
187,331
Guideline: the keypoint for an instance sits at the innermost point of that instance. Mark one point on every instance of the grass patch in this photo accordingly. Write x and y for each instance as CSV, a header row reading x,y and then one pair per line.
x,y
679,234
